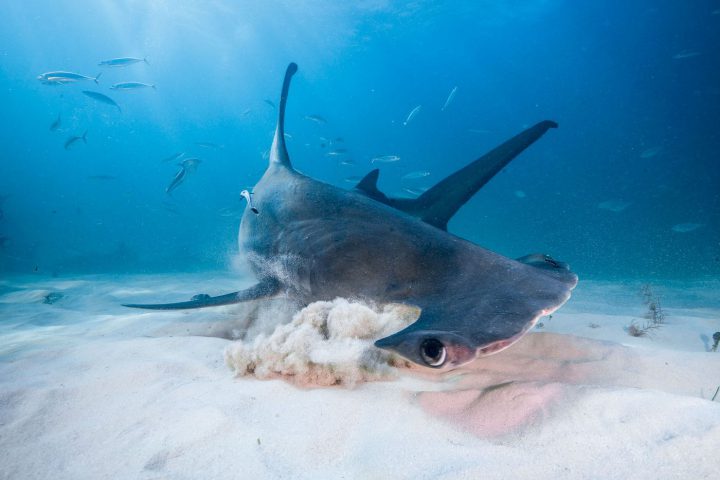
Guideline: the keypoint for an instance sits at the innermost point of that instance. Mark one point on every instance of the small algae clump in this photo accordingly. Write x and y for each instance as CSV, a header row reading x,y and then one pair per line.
x,y
716,341
654,316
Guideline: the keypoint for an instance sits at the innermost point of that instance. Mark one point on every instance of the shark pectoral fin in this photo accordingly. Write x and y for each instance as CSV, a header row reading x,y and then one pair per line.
x,y
437,205
264,289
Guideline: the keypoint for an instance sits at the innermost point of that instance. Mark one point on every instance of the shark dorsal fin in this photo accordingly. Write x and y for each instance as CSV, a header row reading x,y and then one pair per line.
x,y
368,186
278,151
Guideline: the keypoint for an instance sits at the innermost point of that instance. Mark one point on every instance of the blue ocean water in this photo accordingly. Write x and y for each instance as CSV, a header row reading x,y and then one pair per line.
x,y
626,188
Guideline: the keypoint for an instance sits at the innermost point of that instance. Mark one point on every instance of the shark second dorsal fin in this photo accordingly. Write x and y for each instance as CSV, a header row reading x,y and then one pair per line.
x,y
368,186
278,151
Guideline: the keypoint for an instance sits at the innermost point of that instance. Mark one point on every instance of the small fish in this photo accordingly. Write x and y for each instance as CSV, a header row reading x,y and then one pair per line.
x,y
337,152
315,118
122,62
519,194
173,157
132,86
208,145
686,54
176,181
245,112
413,191
288,136
270,102
60,77
650,152
353,179
613,205
55,126
346,161
247,196
450,98
686,227
102,177
415,175
71,141
385,159
190,164
102,98
413,113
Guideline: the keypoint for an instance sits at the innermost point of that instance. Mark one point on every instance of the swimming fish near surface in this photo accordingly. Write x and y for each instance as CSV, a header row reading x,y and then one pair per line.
x,y
270,102
337,152
173,157
385,159
315,118
176,181
413,191
208,145
686,227
122,62
102,99
61,77
686,54
55,126
413,113
415,175
132,86
450,98
613,205
71,141
190,164
650,152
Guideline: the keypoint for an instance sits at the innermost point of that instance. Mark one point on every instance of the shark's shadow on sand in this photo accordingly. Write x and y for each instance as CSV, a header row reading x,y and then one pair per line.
x,y
311,241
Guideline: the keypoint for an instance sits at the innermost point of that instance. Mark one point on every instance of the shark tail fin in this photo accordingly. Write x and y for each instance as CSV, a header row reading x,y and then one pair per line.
x,y
84,137
278,151
145,60
97,77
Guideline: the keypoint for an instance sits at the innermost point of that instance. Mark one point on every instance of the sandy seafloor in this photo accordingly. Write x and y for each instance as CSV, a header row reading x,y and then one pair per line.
x,y
90,390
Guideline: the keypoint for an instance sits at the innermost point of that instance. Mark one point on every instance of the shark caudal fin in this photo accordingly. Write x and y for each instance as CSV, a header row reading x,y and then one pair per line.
x,y
278,151
437,205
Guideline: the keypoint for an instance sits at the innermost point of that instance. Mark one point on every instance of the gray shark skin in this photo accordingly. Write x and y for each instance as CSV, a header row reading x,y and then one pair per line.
x,y
312,241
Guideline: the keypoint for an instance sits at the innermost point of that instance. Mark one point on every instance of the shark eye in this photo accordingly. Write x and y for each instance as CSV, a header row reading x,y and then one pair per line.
x,y
433,352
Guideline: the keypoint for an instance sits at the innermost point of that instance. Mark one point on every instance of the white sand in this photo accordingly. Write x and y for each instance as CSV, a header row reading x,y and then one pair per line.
x,y
91,390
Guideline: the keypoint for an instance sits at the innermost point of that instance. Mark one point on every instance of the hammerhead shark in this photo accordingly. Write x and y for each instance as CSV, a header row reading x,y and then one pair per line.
x,y
312,241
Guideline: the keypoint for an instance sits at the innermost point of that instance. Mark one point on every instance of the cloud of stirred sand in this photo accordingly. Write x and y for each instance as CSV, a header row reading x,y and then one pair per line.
x,y
327,343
